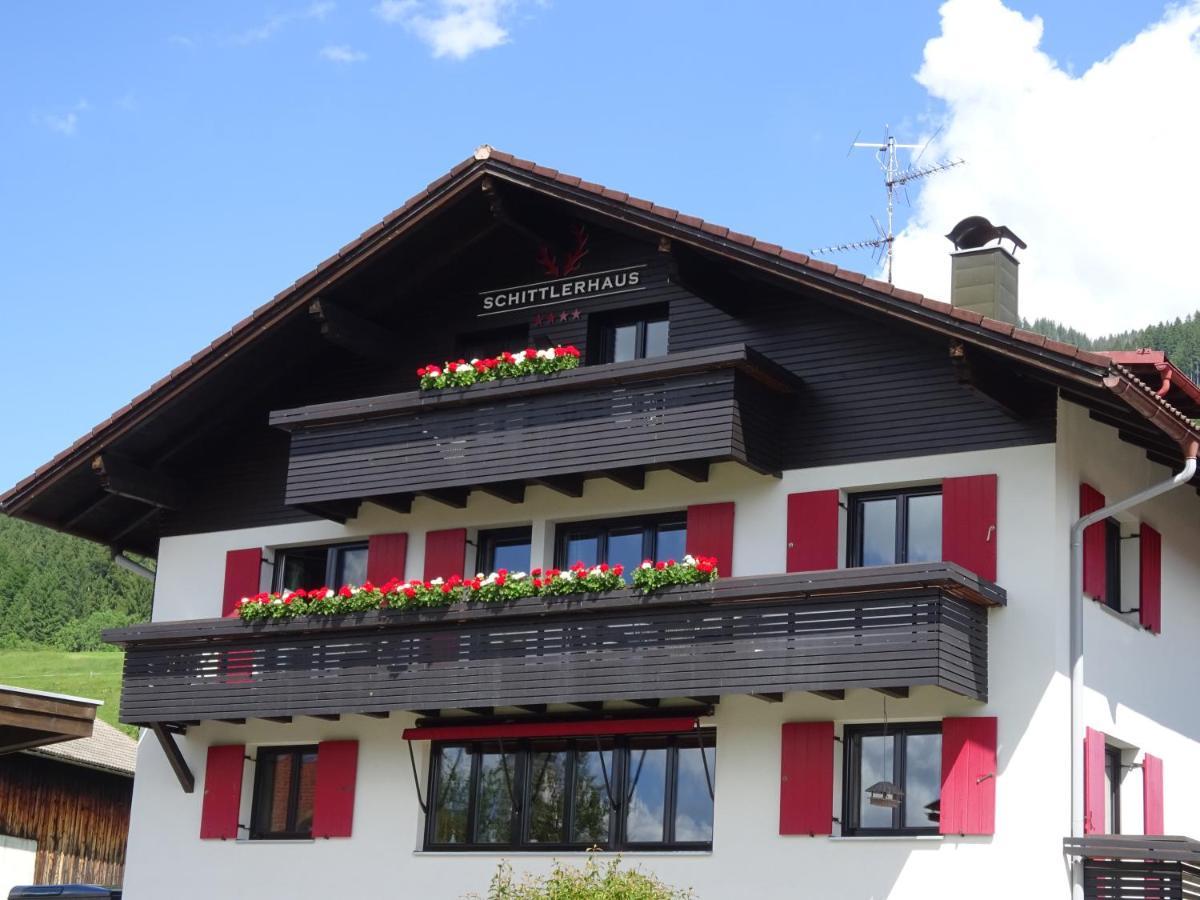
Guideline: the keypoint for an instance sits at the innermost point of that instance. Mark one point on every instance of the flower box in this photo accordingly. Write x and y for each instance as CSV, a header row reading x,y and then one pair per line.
x,y
530,361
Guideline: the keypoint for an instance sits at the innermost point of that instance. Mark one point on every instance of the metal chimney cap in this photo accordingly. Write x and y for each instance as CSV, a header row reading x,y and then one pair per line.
x,y
975,231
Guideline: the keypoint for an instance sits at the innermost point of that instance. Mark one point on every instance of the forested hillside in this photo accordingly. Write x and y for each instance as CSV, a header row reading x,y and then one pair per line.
x,y
58,591
1181,339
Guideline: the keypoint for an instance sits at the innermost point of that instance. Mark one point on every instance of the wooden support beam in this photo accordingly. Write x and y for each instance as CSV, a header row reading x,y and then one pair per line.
x,y
94,503
898,692
338,511
633,478
351,332
568,485
456,498
428,713
479,710
233,721
511,491
1000,388
706,701
768,698
589,705
283,720
125,478
134,525
648,703
328,717
179,765
538,709
401,503
838,694
377,715
693,470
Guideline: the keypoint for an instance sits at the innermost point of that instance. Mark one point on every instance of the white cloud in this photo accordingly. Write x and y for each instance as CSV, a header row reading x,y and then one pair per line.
x,y
340,53
65,123
182,40
454,28
1094,170
265,31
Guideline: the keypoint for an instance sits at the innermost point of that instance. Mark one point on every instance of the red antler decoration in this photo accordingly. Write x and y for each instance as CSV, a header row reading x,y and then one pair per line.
x,y
578,252
547,261
570,264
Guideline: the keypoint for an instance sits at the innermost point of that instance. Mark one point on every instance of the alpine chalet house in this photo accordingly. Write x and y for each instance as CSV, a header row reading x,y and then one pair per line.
x,y
875,697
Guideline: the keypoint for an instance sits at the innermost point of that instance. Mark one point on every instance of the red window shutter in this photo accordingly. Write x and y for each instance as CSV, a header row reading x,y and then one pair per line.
x,y
1093,782
968,803
1152,795
385,557
812,531
969,524
806,778
710,533
333,801
1150,579
445,553
242,574
222,792
1094,561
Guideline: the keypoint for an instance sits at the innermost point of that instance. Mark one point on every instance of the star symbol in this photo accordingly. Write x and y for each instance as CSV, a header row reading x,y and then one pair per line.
x,y
574,314
562,316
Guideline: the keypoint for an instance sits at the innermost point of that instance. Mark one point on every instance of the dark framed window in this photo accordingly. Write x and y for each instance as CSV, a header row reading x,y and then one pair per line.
x,y
331,565
1112,564
626,541
630,334
503,548
1112,785
285,780
888,527
643,792
908,755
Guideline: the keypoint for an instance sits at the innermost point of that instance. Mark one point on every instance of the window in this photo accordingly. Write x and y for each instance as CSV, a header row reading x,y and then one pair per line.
x,y
615,793
632,334
1112,564
624,541
1112,788
285,780
312,567
888,527
503,549
906,755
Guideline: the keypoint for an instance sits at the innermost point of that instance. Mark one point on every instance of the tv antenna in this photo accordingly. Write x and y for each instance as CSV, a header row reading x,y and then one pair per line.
x,y
893,177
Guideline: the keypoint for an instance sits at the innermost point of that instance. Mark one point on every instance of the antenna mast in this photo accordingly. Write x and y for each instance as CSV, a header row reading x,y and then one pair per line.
x,y
893,177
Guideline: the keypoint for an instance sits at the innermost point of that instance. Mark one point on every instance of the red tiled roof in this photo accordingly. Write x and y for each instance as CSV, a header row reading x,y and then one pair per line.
x,y
480,159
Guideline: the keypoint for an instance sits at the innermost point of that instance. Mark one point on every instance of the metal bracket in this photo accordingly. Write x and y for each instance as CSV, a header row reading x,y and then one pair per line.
x,y
982,778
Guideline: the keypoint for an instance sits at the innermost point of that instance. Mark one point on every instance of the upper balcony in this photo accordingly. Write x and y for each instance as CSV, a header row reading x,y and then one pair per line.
x,y
683,411
888,628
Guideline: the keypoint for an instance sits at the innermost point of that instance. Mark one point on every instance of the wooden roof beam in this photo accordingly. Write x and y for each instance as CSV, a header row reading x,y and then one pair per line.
x,y
351,332
125,478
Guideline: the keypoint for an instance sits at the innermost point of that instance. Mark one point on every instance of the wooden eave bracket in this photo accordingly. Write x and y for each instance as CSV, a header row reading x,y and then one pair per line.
x,y
351,332
1001,390
121,476
179,765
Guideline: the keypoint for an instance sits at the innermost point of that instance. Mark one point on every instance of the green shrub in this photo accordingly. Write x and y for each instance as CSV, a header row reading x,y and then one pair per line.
x,y
592,882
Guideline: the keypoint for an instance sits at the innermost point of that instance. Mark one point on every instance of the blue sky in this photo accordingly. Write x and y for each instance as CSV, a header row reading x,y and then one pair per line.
x,y
167,168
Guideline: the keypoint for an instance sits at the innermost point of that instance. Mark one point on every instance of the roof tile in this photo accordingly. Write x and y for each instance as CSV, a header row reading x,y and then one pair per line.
x,y
935,305
545,172
501,156
876,285
821,266
689,221
591,186
908,296
1005,328
1029,337
967,315
639,203
793,257
572,180
664,212
619,196
718,230
1059,347
852,277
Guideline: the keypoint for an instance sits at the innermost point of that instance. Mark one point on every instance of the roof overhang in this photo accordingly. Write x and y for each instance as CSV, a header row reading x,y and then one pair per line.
x,y
36,718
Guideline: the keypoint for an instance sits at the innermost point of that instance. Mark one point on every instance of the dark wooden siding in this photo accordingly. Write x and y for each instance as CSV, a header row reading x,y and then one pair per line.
x,y
646,415
78,816
772,637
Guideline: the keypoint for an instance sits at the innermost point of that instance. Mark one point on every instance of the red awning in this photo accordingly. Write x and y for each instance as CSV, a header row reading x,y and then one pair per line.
x,y
663,725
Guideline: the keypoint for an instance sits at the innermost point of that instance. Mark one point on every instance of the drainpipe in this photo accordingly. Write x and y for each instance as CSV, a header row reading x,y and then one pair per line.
x,y
124,562
1077,723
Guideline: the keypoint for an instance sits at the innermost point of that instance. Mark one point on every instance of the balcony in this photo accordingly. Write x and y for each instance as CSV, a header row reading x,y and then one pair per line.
x,y
888,628
682,412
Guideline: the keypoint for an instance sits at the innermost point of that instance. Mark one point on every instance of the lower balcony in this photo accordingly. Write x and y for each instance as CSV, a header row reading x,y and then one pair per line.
x,y
888,628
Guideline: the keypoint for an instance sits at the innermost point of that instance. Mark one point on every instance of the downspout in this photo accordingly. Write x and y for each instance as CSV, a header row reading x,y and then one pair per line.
x,y
1190,448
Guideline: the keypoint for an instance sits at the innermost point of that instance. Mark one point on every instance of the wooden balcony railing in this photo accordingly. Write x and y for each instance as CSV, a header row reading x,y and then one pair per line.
x,y
682,411
888,628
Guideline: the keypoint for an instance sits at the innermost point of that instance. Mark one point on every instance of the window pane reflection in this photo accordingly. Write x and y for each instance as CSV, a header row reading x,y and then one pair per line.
x,y
626,548
450,809
671,543
878,532
624,343
925,528
493,803
656,338
878,754
513,557
693,803
547,793
352,566
922,778
592,807
647,795
583,549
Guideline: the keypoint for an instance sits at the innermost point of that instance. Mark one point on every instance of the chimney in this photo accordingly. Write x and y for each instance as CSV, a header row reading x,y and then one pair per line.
x,y
983,278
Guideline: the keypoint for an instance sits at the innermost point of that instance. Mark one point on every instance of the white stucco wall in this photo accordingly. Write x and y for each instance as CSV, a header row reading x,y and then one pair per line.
x,y
18,857
1140,685
1028,694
